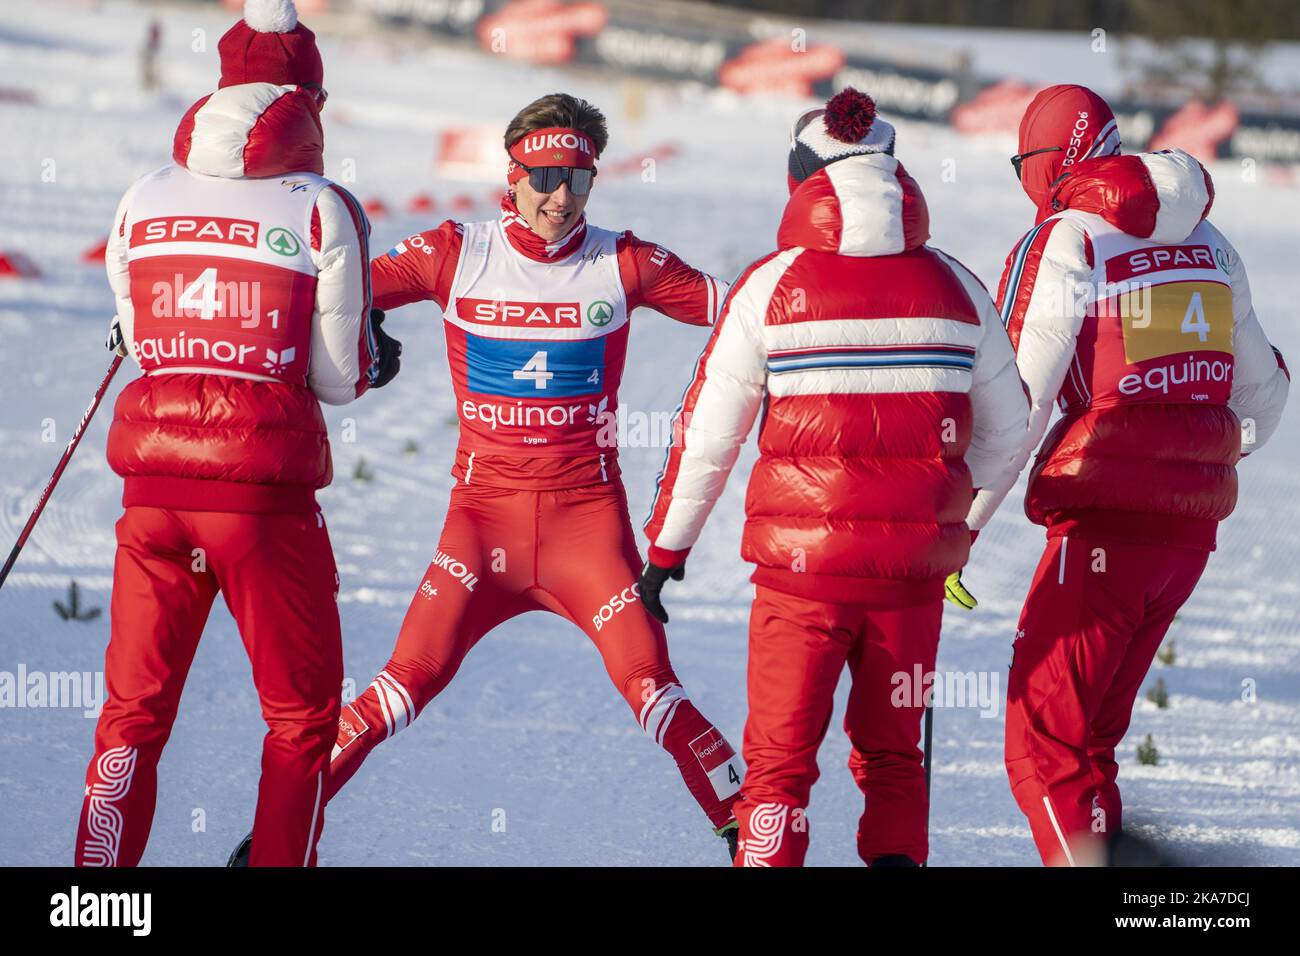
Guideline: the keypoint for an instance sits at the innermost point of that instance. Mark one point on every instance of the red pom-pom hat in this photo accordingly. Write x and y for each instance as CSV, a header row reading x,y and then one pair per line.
x,y
847,126
270,46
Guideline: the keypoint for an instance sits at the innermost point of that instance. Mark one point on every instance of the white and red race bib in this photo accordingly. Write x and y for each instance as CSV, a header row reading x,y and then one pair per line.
x,y
1159,329
222,277
536,348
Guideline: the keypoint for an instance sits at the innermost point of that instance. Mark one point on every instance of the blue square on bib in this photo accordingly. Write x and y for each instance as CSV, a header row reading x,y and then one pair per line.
x,y
533,368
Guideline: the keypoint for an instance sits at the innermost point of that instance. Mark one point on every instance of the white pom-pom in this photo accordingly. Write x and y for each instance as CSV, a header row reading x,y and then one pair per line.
x,y
271,16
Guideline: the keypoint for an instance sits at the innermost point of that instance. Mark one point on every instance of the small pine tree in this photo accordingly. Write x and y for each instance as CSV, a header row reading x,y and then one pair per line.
x,y
361,471
411,448
72,611
1166,653
1159,694
1147,754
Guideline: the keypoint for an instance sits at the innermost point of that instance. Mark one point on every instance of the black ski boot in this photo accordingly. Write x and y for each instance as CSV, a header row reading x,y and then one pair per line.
x,y
731,833
240,857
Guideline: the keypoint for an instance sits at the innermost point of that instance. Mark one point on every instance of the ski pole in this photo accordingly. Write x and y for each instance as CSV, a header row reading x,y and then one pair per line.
x,y
929,737
58,471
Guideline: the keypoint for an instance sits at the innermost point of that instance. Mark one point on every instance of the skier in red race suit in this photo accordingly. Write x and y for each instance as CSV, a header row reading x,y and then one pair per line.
x,y
1132,313
536,306
242,289
888,393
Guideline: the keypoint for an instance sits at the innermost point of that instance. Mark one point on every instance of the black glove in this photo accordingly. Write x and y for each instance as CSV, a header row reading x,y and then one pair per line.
x,y
390,351
652,582
115,342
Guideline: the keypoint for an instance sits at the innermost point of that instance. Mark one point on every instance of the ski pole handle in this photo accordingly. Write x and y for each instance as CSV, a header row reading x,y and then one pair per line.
x,y
58,471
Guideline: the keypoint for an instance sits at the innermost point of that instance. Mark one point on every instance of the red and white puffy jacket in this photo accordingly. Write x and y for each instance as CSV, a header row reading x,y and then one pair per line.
x,y
243,292
1132,312
889,393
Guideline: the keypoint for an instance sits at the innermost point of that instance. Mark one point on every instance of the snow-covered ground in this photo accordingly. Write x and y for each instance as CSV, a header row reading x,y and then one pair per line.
x,y
531,725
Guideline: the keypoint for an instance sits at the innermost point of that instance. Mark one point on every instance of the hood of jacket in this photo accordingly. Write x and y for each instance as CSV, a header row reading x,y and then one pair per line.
x,y
250,131
1157,196
859,206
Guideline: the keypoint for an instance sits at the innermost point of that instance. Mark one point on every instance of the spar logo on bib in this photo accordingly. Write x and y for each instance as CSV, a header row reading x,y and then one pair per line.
x,y
1153,259
520,315
235,232
600,313
283,242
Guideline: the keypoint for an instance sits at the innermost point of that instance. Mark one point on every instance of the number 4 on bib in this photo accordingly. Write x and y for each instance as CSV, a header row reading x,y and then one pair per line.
x,y
1194,319
201,296
535,370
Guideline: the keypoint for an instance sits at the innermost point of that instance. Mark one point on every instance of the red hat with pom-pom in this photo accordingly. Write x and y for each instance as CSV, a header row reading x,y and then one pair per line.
x,y
270,46
846,126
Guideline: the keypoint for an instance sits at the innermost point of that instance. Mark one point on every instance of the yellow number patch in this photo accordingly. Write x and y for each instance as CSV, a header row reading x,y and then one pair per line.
x,y
1175,317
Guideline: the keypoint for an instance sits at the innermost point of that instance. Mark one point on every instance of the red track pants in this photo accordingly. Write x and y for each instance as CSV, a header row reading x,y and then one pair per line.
x,y
1095,616
572,552
797,650
278,578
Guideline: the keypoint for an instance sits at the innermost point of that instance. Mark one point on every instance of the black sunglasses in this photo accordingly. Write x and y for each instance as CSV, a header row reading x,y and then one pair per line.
x,y
1016,161
547,179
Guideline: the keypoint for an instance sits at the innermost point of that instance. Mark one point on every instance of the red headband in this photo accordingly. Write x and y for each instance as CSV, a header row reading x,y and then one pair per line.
x,y
553,146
